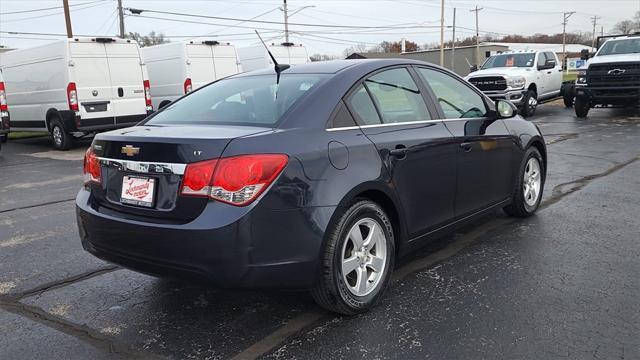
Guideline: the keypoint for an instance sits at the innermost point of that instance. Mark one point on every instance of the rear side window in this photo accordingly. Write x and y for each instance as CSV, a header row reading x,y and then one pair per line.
x,y
250,101
397,96
456,98
342,118
362,106
542,59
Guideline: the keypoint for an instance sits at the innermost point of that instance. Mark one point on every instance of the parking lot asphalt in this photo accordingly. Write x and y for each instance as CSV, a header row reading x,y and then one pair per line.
x,y
562,284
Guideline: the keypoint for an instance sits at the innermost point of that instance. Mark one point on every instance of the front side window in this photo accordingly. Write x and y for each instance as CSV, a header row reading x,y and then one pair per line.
x,y
249,101
456,99
397,96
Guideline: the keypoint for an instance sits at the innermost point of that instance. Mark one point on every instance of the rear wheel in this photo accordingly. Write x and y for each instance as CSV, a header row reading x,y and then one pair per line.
x,y
357,260
529,104
528,192
61,139
582,106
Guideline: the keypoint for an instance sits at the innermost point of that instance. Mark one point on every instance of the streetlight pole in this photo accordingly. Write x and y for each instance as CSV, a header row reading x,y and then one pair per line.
x,y
453,42
566,15
121,19
442,33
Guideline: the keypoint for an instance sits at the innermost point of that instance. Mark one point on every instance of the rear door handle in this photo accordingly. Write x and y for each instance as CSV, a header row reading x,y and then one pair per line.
x,y
400,151
120,92
466,146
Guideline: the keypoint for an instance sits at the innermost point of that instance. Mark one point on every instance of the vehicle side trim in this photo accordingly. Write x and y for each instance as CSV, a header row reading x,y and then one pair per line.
x,y
144,167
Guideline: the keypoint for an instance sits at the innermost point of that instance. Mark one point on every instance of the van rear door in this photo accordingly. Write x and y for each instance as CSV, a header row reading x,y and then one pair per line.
x,y
201,70
90,72
225,60
127,88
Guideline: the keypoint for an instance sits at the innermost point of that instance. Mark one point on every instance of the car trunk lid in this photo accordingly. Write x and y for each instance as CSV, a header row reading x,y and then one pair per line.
x,y
142,167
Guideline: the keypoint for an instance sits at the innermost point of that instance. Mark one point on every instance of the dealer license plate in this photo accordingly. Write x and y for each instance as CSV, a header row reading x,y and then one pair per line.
x,y
137,191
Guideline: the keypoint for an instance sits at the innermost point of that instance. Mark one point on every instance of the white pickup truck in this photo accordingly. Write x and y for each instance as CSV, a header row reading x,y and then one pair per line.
x,y
526,78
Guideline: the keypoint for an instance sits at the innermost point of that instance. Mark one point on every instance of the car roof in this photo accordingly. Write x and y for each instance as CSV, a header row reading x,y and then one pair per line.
x,y
334,66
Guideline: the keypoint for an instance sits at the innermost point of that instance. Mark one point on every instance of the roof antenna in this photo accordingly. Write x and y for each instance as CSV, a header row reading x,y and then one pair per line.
x,y
278,67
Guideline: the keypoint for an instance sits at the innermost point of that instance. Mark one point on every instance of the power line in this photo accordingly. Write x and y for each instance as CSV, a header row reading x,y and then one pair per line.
x,y
56,13
49,8
139,11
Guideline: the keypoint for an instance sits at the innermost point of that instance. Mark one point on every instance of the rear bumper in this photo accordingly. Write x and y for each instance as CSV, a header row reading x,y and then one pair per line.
x,y
242,248
5,124
73,122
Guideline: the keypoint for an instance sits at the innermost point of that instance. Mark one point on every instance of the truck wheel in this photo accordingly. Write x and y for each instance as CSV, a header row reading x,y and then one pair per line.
x,y
62,140
529,104
582,106
568,96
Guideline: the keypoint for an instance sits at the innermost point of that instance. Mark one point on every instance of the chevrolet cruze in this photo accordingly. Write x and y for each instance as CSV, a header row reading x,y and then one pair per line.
x,y
317,178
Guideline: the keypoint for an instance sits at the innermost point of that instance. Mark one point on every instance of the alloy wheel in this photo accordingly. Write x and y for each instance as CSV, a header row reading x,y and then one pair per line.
x,y
364,257
532,180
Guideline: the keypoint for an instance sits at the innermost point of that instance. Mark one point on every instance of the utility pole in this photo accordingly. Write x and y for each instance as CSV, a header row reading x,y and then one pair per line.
x,y
566,15
121,18
67,17
595,21
453,42
442,33
477,10
286,21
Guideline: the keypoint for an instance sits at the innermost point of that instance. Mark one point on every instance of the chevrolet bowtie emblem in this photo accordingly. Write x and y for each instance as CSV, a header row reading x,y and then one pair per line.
x,y
616,72
130,150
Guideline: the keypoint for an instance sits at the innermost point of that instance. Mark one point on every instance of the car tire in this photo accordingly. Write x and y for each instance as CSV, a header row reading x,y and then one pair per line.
x,y
528,190
4,138
582,106
61,139
568,96
361,287
529,104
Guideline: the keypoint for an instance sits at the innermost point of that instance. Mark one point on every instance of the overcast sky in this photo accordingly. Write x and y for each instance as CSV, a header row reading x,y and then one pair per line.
x,y
355,21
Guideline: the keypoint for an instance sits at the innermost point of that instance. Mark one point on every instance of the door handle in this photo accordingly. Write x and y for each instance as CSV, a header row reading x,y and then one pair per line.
x,y
400,151
466,146
120,92
548,72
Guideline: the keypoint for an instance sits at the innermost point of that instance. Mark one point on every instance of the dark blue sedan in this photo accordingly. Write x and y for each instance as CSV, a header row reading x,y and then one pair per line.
x,y
319,179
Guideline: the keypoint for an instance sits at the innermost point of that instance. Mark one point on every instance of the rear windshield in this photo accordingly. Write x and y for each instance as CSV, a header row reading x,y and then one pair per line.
x,y
250,101
619,47
510,60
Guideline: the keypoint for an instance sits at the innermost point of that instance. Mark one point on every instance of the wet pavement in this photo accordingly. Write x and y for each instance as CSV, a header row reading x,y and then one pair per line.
x,y
562,284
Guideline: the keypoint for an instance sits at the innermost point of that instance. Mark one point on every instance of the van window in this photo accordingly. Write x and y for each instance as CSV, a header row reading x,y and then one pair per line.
x,y
250,101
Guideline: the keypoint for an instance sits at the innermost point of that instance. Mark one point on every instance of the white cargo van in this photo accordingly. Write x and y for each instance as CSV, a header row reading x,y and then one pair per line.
x,y
4,112
76,87
256,57
175,69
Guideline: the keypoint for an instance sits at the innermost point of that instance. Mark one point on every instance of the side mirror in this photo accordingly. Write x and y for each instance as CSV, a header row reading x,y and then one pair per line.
x,y
505,109
548,64
473,68
164,104
584,54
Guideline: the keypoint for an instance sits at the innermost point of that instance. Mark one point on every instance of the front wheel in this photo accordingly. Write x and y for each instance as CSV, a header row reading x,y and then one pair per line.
x,y
582,106
529,104
528,192
568,96
357,260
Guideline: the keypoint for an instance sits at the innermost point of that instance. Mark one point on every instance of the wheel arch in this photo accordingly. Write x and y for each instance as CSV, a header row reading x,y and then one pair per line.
x,y
50,116
533,87
539,145
384,197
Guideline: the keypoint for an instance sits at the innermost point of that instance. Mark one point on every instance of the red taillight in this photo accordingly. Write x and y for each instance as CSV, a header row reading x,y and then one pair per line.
x,y
72,97
147,93
187,86
236,180
3,98
91,169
